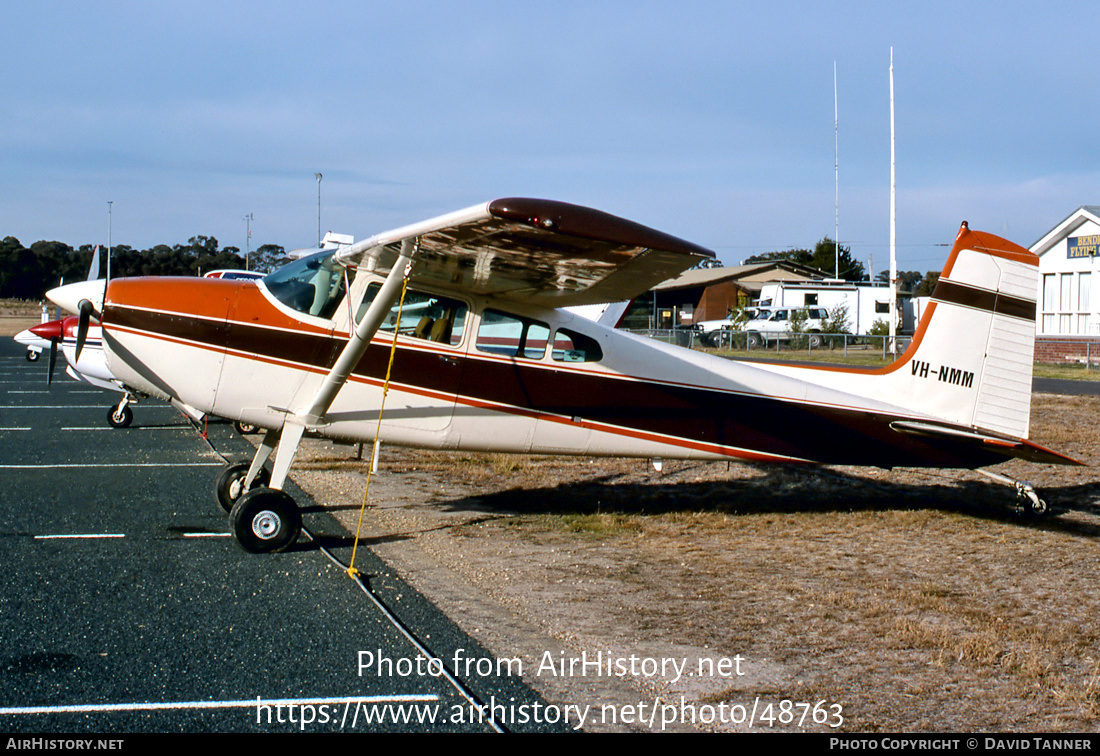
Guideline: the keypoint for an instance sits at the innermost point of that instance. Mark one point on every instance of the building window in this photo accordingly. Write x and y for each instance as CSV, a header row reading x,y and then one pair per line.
x,y
1050,302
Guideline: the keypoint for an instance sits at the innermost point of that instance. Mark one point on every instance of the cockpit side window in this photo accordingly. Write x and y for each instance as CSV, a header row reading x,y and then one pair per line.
x,y
313,285
423,316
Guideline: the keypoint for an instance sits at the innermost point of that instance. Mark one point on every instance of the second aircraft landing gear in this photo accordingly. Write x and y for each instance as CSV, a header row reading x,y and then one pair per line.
x,y
120,416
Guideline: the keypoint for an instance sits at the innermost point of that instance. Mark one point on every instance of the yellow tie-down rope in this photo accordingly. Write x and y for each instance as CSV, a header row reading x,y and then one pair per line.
x,y
352,572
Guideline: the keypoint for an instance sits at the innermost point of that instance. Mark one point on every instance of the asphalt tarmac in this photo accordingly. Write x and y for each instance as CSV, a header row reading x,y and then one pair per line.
x,y
126,606
1064,386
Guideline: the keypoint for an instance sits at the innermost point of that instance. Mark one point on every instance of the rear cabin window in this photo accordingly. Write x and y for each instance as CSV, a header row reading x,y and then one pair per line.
x,y
512,336
570,346
423,316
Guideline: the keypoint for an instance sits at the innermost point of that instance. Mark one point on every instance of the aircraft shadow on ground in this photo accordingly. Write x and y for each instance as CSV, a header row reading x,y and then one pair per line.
x,y
791,490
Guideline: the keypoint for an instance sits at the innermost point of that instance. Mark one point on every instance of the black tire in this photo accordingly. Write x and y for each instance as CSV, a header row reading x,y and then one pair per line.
x,y
816,340
753,340
32,356
245,429
120,418
228,486
265,521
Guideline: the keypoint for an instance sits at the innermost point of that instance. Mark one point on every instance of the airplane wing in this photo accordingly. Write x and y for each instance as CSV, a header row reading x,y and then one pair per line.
x,y
534,250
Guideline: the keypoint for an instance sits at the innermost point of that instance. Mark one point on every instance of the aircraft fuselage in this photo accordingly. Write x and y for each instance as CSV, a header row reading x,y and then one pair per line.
x,y
233,349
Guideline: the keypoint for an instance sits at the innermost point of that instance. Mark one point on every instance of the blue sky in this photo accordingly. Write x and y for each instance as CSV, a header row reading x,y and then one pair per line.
x,y
709,120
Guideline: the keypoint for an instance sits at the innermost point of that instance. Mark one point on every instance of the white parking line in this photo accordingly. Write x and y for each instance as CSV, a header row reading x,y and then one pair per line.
x,y
51,406
244,704
79,535
77,465
137,428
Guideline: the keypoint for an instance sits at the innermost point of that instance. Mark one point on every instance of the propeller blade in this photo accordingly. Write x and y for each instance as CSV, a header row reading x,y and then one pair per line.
x,y
86,310
53,361
52,331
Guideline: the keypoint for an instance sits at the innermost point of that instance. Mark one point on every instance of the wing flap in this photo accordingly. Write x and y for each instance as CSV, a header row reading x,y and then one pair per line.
x,y
535,250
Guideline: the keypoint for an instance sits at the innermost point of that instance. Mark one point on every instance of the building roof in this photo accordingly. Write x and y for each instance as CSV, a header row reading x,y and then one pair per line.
x,y
1073,221
755,273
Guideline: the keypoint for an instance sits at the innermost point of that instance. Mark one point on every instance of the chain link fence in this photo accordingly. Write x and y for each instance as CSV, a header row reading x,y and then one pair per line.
x,y
810,344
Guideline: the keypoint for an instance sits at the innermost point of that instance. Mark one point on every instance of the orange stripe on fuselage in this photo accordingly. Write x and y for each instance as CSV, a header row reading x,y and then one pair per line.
x,y
210,298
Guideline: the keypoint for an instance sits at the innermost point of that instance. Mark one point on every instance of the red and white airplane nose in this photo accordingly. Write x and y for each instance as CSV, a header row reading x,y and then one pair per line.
x,y
50,331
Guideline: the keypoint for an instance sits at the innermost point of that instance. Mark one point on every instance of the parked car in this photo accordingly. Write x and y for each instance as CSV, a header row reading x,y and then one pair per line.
x,y
716,333
774,324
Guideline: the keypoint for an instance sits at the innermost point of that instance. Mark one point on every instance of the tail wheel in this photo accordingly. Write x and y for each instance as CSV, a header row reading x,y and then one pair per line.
x,y
120,417
230,483
265,520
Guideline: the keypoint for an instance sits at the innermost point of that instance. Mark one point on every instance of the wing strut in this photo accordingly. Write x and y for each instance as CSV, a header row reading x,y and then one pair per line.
x,y
284,442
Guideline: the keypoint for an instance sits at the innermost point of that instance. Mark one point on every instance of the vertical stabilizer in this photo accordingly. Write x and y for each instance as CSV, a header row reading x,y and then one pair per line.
x,y
971,359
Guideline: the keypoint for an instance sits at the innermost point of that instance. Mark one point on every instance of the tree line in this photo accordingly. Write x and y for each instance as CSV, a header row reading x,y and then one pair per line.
x,y
29,272
826,255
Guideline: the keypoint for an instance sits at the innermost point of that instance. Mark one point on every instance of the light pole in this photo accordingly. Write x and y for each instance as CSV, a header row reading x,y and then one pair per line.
x,y
110,203
318,177
247,239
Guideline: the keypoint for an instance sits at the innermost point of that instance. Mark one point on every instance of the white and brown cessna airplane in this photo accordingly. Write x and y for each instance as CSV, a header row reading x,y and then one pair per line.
x,y
485,358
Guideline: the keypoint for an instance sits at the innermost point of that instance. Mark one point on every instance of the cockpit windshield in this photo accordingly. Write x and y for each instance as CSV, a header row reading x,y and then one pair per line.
x,y
314,284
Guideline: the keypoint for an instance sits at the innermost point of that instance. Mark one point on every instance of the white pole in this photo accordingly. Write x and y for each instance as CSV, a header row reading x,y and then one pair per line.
x,y
247,238
836,174
318,177
110,204
893,222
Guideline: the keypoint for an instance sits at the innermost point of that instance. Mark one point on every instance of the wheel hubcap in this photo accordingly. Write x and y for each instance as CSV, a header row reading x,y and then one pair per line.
x,y
266,524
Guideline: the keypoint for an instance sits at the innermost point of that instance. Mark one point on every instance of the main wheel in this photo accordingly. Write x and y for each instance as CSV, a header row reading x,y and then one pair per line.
x,y
753,340
265,520
230,483
120,418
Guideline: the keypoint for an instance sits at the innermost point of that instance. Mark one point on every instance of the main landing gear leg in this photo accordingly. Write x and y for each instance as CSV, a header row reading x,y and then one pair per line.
x,y
263,517
1027,498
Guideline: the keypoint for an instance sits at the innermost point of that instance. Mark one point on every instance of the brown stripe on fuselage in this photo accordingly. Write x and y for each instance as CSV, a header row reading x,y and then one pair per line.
x,y
681,415
983,299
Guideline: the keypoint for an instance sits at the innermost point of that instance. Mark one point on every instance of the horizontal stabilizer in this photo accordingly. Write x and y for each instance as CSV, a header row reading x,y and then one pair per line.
x,y
1011,448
